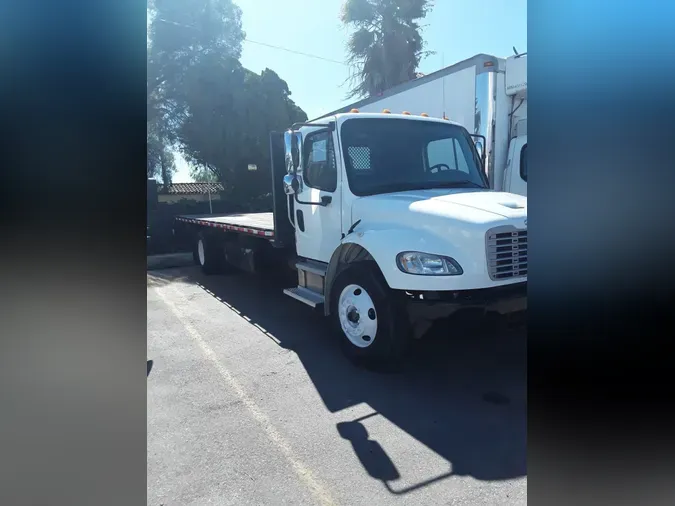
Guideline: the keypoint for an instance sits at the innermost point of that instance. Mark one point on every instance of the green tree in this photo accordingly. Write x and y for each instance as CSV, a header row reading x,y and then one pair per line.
x,y
204,101
203,175
180,34
231,113
160,158
386,46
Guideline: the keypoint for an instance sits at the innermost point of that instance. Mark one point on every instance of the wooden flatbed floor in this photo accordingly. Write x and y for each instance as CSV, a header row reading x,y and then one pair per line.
x,y
261,224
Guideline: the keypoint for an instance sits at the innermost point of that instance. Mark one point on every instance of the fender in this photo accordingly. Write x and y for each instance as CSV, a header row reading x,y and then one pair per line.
x,y
383,245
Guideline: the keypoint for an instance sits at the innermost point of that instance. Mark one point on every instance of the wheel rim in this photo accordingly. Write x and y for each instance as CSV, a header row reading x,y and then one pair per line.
x,y
358,317
200,251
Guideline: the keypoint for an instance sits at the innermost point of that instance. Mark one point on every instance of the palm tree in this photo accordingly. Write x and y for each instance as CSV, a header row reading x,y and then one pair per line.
x,y
386,46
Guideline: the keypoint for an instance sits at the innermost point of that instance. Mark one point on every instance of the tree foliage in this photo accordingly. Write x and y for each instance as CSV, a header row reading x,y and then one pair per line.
x,y
202,174
386,46
232,112
160,159
216,112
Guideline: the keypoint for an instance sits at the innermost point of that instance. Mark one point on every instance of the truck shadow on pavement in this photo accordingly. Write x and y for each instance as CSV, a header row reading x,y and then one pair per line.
x,y
462,394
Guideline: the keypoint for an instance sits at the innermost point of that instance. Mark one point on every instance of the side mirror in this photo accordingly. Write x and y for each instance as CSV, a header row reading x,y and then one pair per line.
x,y
292,184
479,143
479,148
292,141
295,151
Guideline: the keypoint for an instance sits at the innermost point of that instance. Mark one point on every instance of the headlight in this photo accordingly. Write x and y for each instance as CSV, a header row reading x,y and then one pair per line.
x,y
414,262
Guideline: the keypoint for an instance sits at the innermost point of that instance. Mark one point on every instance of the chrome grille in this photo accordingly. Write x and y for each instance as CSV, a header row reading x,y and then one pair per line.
x,y
506,253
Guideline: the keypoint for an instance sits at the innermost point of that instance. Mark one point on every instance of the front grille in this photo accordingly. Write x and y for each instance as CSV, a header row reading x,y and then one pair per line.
x,y
506,253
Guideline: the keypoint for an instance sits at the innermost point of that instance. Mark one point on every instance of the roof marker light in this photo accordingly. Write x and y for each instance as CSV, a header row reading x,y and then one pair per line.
x,y
406,113
386,111
354,110
424,114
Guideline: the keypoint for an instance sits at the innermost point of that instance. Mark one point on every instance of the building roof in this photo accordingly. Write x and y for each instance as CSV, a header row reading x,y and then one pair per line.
x,y
190,188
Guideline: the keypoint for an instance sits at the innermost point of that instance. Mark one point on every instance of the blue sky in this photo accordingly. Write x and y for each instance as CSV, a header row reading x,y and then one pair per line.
x,y
455,30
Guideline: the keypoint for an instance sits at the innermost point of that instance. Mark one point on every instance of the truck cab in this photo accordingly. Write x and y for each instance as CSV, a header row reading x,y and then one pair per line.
x,y
485,94
390,223
395,225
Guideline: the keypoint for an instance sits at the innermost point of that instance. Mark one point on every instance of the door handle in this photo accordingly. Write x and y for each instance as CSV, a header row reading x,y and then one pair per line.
x,y
325,200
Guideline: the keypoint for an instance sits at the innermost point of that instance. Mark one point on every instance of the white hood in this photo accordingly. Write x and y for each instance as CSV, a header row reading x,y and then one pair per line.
x,y
445,210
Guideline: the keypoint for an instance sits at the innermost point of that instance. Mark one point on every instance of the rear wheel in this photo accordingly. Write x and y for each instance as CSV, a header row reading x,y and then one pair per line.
x,y
208,255
368,318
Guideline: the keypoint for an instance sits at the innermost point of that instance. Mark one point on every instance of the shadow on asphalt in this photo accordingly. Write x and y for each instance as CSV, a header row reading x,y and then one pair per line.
x,y
462,394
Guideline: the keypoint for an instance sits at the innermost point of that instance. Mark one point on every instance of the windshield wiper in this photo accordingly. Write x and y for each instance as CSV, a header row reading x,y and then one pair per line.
x,y
453,184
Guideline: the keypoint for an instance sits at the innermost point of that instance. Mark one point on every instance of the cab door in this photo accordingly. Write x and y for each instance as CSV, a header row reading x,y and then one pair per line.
x,y
515,176
318,224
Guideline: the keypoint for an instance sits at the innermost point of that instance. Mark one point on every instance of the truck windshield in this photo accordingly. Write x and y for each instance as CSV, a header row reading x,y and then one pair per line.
x,y
389,155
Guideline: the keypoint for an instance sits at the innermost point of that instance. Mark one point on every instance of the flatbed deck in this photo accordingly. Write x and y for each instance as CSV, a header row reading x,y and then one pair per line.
x,y
259,224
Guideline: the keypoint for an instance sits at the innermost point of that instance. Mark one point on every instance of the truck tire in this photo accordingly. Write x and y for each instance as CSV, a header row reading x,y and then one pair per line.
x,y
208,255
368,319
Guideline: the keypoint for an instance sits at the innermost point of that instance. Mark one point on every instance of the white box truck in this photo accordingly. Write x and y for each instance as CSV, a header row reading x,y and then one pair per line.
x,y
485,94
388,220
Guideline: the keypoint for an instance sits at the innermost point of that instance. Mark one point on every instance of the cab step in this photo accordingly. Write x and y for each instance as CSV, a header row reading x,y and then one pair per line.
x,y
312,266
305,295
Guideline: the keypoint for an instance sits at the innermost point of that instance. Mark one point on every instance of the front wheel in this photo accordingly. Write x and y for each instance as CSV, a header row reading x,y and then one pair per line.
x,y
368,319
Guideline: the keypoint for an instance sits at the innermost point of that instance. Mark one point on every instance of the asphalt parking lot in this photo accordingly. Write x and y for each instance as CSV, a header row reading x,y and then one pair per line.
x,y
251,402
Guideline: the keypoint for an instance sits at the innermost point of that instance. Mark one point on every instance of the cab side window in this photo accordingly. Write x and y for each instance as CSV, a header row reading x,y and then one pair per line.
x,y
523,163
320,169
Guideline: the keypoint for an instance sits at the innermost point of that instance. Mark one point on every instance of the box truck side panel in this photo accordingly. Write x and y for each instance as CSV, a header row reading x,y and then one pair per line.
x,y
520,106
458,101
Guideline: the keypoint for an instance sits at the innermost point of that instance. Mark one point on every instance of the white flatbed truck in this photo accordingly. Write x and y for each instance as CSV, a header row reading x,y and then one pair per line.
x,y
388,220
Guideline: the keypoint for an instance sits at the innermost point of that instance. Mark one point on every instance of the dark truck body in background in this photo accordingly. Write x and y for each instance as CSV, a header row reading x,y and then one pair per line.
x,y
251,241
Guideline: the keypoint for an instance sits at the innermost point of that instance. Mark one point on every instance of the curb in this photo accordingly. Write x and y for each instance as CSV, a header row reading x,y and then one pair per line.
x,y
169,260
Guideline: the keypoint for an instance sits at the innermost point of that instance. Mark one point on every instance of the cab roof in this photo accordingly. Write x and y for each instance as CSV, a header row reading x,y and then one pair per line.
x,y
383,115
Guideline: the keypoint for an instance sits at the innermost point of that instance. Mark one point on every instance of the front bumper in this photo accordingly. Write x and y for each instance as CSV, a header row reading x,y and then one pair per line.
x,y
434,305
